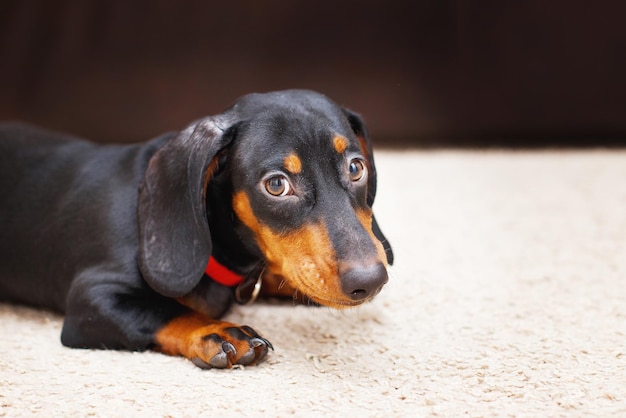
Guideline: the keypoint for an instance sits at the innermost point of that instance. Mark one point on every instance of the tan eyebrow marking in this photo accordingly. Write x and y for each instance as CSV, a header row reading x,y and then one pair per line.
x,y
340,143
293,164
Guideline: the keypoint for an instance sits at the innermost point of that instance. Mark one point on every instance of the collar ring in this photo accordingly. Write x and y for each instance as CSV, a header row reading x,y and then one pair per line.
x,y
256,290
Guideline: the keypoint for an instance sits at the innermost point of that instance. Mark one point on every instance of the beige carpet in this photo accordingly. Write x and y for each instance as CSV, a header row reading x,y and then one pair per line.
x,y
508,299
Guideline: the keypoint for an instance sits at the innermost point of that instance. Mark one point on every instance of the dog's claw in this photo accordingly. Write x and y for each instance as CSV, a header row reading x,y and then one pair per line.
x,y
222,359
228,348
259,348
258,341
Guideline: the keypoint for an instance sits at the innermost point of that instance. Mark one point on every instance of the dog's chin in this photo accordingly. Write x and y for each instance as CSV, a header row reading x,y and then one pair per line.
x,y
331,300
335,303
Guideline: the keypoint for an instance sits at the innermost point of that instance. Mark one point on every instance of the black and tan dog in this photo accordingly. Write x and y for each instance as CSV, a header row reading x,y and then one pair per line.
x,y
145,246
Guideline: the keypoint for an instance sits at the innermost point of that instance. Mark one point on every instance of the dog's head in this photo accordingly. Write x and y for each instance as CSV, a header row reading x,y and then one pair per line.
x,y
288,177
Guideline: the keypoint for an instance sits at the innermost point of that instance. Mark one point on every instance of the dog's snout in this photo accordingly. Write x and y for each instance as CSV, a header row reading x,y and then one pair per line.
x,y
359,283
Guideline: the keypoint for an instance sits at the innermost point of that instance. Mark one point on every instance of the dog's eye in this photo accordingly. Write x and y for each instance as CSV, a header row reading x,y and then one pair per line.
x,y
357,170
278,186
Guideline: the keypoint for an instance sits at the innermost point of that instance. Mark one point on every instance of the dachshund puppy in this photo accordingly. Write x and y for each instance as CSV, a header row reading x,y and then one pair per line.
x,y
145,246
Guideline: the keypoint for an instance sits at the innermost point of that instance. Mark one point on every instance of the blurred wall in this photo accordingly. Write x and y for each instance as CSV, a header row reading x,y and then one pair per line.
x,y
437,72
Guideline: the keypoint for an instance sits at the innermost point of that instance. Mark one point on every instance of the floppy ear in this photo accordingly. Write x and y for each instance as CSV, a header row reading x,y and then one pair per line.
x,y
359,129
174,236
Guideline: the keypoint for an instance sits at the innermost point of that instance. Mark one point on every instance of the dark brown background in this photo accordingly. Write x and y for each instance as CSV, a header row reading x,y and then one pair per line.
x,y
438,72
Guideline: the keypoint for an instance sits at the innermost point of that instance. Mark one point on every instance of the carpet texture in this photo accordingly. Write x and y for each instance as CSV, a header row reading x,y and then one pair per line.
x,y
508,298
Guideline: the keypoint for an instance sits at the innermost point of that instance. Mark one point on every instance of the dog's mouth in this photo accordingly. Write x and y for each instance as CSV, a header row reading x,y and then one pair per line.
x,y
337,304
304,292
331,302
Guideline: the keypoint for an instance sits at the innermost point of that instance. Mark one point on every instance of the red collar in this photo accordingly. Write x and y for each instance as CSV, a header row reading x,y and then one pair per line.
x,y
222,274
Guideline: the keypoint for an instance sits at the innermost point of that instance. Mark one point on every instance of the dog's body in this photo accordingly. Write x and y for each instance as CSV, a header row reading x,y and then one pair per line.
x,y
118,237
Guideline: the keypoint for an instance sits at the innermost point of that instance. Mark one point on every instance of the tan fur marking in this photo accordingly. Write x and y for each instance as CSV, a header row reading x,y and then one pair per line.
x,y
305,257
340,143
174,338
293,164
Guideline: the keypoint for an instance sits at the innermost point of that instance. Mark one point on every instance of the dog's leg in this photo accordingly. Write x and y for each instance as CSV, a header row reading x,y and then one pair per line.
x,y
104,311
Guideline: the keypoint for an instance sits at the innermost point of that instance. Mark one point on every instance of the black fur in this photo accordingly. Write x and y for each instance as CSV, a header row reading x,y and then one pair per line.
x,y
112,235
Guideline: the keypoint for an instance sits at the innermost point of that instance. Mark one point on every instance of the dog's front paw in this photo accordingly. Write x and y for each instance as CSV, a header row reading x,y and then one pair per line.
x,y
212,344
230,344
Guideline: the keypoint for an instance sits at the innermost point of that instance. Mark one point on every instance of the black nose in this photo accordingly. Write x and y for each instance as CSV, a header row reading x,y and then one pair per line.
x,y
360,283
